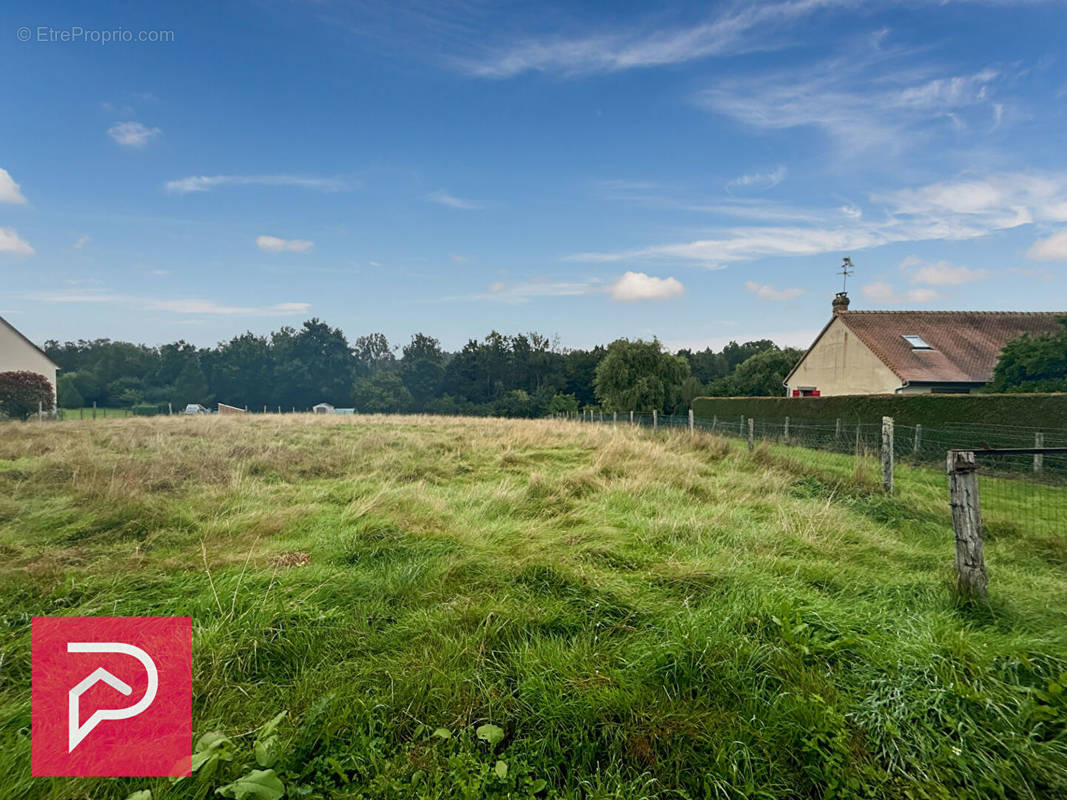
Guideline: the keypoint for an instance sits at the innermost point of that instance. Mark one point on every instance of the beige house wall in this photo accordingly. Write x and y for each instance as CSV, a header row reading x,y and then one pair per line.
x,y
17,355
839,363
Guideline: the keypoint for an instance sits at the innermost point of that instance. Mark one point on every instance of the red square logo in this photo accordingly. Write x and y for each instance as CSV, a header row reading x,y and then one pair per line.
x,y
112,696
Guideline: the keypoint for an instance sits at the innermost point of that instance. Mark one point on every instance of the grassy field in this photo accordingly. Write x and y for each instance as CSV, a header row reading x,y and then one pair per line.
x,y
498,608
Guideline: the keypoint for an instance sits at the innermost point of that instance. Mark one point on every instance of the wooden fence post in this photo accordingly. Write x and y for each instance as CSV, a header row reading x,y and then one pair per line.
x,y
655,419
94,409
887,454
1039,458
751,434
614,419
786,434
714,423
40,411
170,409
631,417
692,430
837,429
967,520
741,426
918,439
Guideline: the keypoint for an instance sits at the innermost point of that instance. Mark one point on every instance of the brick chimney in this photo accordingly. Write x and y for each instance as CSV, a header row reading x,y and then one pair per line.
x,y
840,303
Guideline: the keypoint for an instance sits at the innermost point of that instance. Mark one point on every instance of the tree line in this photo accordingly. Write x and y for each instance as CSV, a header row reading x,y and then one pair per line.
x,y
521,375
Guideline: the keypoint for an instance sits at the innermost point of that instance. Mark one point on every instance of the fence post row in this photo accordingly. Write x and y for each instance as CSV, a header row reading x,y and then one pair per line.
x,y
614,418
691,428
918,439
655,419
1039,458
751,434
631,417
967,522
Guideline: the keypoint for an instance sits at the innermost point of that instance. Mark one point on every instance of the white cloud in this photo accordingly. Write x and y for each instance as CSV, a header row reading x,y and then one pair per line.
x,y
765,291
884,293
9,190
759,180
740,30
940,273
11,243
443,198
639,286
205,183
173,305
132,134
501,292
874,97
948,211
1054,248
81,242
272,244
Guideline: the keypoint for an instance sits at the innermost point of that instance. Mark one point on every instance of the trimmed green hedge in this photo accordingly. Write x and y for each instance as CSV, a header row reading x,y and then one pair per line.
x,y
1042,411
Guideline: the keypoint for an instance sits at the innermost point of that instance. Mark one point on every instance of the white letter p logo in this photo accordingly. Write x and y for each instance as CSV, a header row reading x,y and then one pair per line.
x,y
76,732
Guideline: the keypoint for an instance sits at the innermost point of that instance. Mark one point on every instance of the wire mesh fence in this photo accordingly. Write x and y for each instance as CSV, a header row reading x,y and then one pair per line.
x,y
1021,494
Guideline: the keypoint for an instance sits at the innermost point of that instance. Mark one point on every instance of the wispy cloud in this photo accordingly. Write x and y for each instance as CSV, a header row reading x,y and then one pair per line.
x,y
1054,248
10,242
443,198
940,273
738,30
81,242
883,293
205,183
9,190
173,305
876,98
759,180
764,291
272,244
634,286
133,134
951,210
524,291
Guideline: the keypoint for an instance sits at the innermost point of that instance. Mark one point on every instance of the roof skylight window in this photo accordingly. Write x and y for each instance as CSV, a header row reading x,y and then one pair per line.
x,y
917,342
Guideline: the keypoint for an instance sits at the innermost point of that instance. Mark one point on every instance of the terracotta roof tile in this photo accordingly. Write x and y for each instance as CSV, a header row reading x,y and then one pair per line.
x,y
965,345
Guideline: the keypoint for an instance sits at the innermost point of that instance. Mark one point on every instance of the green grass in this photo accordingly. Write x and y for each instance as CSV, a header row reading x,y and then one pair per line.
x,y
643,615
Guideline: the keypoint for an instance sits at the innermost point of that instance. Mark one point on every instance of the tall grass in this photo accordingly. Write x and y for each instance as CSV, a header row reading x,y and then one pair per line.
x,y
643,615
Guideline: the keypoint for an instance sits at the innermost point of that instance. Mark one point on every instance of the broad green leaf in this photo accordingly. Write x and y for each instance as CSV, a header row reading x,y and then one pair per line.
x,y
259,784
538,786
501,769
267,751
211,748
442,733
271,726
490,733
143,794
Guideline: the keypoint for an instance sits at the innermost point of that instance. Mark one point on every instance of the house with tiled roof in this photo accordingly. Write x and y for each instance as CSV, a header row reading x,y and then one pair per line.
x,y
909,352
19,354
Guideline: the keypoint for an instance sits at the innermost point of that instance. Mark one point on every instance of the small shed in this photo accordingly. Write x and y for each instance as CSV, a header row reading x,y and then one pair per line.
x,y
322,408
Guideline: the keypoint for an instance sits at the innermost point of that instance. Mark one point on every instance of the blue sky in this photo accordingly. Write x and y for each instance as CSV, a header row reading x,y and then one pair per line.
x,y
587,171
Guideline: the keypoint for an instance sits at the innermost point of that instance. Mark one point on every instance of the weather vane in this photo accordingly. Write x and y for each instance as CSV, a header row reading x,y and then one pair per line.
x,y
846,270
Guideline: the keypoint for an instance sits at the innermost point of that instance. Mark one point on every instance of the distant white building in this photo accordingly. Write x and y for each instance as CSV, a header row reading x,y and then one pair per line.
x,y
322,408
18,354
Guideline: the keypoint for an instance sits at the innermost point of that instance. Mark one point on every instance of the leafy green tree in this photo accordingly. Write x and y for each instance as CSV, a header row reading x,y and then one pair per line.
x,y
690,390
381,393
372,352
1033,364
23,392
422,368
563,404
67,389
761,375
190,386
639,376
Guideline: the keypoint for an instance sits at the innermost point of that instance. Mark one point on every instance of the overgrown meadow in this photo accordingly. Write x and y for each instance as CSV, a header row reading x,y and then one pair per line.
x,y
418,607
